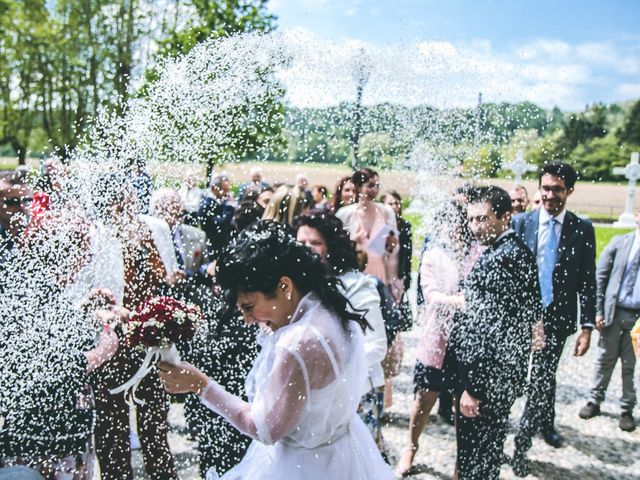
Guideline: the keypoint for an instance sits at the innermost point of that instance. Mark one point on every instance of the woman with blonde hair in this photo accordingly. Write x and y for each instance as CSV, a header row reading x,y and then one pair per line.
x,y
286,204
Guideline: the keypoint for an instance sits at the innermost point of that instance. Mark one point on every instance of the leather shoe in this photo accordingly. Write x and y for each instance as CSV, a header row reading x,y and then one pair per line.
x,y
552,438
520,464
590,410
627,423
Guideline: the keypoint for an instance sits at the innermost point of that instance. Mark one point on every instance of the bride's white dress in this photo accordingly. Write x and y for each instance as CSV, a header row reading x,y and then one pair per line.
x,y
303,391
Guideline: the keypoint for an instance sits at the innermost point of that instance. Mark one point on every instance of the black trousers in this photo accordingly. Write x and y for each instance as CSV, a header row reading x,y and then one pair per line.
x,y
540,410
480,441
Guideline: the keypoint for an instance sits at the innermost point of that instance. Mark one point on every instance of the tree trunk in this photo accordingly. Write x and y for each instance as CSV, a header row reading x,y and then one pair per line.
x,y
21,151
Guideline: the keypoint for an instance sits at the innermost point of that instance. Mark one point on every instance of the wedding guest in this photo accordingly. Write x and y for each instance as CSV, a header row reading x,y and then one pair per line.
x,y
319,195
536,203
367,219
264,197
373,227
344,193
490,343
191,195
519,199
189,243
565,250
144,276
49,349
255,184
305,385
216,214
286,204
302,182
617,309
248,213
15,199
141,181
392,199
446,262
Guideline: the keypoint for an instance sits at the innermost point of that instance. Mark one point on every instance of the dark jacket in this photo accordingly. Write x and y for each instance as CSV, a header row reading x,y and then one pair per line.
x,y
406,251
491,340
573,276
216,220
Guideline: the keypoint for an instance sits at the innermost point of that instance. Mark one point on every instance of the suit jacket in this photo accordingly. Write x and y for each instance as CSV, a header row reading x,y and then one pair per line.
x,y
609,273
406,252
574,276
491,340
216,218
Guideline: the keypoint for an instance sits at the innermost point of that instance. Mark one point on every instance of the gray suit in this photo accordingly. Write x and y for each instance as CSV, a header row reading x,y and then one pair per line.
x,y
615,339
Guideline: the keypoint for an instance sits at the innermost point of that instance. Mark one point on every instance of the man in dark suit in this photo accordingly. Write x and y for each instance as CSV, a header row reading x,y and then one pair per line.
x,y
565,248
617,307
490,345
216,215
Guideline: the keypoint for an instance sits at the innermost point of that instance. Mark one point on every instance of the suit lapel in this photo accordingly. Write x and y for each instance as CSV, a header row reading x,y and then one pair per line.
x,y
531,231
622,256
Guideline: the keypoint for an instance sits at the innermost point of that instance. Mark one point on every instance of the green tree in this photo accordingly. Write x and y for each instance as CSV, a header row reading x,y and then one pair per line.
x,y
630,132
595,159
581,128
207,19
23,30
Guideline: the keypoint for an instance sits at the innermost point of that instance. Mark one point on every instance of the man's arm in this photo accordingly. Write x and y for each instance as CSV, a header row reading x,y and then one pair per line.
x,y
587,280
587,291
603,272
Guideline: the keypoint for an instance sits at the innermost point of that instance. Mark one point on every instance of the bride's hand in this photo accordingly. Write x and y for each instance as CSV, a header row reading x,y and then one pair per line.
x,y
182,378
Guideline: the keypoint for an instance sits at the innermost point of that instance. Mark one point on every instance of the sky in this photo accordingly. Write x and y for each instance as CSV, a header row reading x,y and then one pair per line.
x,y
568,53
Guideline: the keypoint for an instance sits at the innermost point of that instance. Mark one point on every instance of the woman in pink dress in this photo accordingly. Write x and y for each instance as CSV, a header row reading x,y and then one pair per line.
x,y
373,226
448,259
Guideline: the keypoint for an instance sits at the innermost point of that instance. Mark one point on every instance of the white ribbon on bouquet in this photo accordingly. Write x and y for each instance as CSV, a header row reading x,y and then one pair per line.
x,y
166,354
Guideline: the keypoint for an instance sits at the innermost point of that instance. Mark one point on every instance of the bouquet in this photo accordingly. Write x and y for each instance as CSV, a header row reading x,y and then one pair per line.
x,y
155,327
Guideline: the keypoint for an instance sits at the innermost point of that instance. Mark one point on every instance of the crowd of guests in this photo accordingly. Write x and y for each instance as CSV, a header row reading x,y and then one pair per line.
x,y
503,282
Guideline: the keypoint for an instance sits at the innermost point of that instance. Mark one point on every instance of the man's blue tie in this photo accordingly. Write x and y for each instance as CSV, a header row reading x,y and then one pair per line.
x,y
548,263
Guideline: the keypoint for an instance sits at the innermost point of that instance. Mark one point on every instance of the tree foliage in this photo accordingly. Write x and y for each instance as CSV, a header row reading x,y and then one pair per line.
x,y
62,62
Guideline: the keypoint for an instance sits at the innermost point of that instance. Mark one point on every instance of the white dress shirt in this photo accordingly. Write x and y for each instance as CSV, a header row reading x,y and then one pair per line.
x,y
543,231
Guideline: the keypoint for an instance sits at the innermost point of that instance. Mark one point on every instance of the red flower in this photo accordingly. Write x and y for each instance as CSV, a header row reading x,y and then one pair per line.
x,y
161,321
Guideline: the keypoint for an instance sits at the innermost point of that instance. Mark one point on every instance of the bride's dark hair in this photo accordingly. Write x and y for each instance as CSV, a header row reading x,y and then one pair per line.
x,y
263,253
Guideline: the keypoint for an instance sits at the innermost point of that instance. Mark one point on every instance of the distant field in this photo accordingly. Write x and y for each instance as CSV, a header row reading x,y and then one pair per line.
x,y
599,200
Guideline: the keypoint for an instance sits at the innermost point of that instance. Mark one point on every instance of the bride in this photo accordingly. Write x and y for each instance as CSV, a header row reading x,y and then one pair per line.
x,y
306,383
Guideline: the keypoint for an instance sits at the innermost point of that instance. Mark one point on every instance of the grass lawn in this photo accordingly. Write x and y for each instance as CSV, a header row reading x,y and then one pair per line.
x,y
604,236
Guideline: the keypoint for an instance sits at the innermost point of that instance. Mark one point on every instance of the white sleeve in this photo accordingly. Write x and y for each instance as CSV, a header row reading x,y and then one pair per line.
x,y
279,400
366,297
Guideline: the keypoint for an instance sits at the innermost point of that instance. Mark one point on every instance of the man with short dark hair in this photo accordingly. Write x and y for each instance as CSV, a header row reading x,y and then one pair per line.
x,y
490,344
565,249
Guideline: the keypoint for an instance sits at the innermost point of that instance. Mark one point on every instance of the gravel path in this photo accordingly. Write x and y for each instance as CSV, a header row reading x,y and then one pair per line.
x,y
594,449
